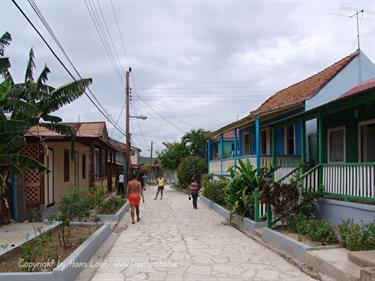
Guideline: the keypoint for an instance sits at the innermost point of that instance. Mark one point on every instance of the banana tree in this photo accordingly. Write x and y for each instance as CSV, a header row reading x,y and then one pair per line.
x,y
25,105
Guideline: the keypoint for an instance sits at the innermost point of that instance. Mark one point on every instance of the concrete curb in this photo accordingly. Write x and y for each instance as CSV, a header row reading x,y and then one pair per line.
x,y
71,266
216,207
286,244
46,228
110,218
245,224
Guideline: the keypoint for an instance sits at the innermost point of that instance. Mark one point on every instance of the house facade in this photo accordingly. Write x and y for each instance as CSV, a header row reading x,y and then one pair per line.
x,y
77,165
260,142
326,121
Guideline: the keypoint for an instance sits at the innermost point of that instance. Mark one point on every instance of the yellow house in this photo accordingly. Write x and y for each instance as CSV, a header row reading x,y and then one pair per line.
x,y
90,161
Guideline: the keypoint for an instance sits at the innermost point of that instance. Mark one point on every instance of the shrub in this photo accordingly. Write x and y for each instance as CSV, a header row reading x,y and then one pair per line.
x,y
239,187
214,189
189,167
315,230
111,205
357,237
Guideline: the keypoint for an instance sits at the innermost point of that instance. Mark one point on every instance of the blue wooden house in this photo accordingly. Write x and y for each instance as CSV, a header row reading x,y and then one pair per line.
x,y
259,139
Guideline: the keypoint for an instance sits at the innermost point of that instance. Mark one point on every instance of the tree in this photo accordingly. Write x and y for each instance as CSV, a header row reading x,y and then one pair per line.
x,y
25,105
191,166
196,142
172,155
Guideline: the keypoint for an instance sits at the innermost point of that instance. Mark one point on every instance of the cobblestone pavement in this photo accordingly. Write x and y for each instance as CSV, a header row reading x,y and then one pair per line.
x,y
175,242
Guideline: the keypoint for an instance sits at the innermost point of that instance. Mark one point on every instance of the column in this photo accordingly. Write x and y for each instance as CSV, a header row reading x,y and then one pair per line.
x,y
303,140
208,154
235,146
100,163
92,164
257,141
221,152
273,145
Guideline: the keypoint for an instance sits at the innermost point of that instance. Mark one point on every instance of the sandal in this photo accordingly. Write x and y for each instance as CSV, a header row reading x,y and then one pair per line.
x,y
138,219
133,222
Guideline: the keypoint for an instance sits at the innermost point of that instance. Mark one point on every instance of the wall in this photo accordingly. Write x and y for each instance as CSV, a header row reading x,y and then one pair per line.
x,y
358,70
280,139
346,118
335,211
60,187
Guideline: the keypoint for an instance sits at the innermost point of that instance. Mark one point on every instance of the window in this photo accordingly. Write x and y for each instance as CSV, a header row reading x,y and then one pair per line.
x,y
336,144
289,140
66,165
246,142
367,136
83,166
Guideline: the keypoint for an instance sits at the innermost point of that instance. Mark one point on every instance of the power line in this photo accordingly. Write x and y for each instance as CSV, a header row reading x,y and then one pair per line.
x,y
60,61
158,113
119,31
50,31
99,31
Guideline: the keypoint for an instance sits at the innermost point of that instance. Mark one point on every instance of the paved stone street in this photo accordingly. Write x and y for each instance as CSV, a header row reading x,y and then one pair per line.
x,y
175,242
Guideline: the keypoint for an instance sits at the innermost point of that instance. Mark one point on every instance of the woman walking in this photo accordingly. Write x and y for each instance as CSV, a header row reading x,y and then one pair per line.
x,y
194,190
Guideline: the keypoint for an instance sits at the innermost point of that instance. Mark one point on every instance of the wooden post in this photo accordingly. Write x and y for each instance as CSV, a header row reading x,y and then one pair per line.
x,y
208,154
235,147
257,141
221,152
320,149
303,140
273,145
92,166
110,172
100,163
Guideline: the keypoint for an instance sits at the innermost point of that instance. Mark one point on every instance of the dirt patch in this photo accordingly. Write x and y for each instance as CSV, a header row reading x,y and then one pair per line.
x,y
45,252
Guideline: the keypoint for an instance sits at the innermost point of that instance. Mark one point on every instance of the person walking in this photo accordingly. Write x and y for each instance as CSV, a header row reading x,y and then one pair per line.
x,y
144,180
161,182
194,191
134,191
120,189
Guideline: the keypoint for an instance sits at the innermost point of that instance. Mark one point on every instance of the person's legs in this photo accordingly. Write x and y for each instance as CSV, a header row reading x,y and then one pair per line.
x,y
137,211
161,193
157,193
195,199
132,213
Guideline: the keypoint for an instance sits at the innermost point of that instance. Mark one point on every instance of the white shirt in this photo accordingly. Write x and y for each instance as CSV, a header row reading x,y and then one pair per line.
x,y
121,178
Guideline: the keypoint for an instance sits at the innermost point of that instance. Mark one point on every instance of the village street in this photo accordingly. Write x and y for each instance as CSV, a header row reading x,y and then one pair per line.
x,y
175,242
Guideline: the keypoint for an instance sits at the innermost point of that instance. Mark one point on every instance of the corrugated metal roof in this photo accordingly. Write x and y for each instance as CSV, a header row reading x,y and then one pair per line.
x,y
366,85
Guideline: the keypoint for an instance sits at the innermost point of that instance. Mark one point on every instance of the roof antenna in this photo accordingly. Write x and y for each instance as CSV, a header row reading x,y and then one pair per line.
x,y
356,15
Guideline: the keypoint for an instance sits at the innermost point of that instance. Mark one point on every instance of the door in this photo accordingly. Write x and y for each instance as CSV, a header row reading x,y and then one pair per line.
x,y
50,177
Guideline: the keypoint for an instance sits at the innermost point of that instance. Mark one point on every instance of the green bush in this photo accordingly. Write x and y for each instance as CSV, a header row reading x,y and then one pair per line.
x,y
214,189
111,205
357,237
315,230
189,167
243,180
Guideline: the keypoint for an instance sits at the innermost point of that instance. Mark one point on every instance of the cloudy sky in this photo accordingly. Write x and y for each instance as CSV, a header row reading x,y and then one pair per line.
x,y
195,64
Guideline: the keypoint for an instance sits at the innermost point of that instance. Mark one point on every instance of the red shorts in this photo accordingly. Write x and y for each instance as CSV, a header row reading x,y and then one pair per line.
x,y
134,199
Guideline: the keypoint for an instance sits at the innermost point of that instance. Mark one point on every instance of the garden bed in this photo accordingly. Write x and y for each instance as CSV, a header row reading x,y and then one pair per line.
x,y
45,250
116,216
75,260
303,239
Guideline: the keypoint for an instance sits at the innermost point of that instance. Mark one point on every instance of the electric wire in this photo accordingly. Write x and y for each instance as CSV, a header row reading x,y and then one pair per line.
x,y
60,61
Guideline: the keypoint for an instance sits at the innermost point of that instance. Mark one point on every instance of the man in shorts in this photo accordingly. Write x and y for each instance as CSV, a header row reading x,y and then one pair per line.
x,y
161,182
134,191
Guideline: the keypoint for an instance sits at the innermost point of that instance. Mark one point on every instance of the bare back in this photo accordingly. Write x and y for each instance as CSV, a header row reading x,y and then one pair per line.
x,y
134,187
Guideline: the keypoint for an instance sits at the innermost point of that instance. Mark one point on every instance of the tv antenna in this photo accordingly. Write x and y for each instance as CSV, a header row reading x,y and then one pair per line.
x,y
356,14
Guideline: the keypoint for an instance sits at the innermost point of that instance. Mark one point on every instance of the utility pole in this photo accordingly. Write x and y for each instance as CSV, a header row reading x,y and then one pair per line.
x,y
152,146
127,128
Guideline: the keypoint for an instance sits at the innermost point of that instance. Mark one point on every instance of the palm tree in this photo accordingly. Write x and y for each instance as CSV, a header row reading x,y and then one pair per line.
x,y
25,105
196,142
